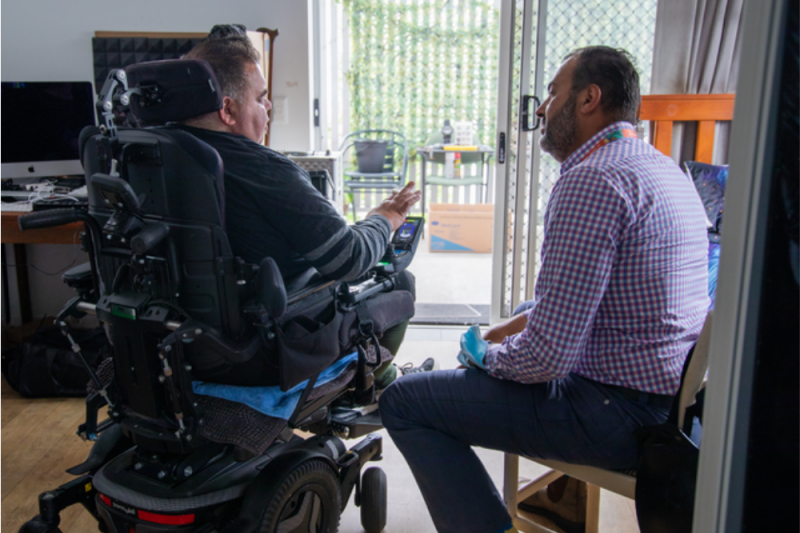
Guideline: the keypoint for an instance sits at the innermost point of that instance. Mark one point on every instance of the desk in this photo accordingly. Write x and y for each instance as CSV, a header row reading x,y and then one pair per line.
x,y
11,234
436,154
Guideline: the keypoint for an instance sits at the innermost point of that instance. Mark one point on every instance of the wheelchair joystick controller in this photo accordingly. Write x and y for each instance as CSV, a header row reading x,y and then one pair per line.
x,y
397,257
402,247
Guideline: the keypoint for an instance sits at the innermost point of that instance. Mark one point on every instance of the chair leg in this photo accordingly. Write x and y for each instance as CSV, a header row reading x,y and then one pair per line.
x,y
592,508
511,482
513,493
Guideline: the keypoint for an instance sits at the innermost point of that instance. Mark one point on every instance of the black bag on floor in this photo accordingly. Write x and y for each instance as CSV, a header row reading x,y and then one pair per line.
x,y
666,477
47,366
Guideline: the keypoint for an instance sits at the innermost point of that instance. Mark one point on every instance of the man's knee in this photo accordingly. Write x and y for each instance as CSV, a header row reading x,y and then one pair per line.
x,y
406,281
388,402
397,400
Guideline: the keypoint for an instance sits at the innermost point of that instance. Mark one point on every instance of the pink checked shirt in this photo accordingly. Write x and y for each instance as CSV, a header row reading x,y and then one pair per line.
x,y
622,292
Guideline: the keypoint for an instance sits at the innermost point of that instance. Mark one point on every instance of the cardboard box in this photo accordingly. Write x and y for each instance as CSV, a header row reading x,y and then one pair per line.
x,y
460,228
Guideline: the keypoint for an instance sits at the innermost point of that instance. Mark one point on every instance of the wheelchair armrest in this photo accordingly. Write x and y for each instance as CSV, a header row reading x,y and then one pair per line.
x,y
270,288
309,291
301,282
77,275
305,284
275,294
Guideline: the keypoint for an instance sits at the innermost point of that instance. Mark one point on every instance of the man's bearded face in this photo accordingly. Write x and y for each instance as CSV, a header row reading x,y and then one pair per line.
x,y
560,130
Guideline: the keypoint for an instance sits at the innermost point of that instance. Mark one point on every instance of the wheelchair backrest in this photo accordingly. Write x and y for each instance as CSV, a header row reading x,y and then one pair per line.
x,y
178,180
187,268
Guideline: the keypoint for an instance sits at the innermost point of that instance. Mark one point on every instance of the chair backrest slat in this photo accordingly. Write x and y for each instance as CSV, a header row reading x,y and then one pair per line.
x,y
705,109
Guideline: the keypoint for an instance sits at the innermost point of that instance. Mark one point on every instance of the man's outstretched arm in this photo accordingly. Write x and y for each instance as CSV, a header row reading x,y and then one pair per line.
x,y
353,250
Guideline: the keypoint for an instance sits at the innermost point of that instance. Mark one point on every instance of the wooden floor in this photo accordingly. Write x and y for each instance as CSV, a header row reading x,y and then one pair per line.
x,y
38,444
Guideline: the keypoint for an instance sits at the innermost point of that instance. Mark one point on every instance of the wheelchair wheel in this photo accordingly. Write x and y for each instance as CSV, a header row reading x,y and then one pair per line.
x,y
374,500
37,525
307,501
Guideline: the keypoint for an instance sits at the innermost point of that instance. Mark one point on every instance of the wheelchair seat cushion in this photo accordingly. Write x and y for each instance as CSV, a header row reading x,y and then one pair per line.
x,y
231,422
272,401
228,422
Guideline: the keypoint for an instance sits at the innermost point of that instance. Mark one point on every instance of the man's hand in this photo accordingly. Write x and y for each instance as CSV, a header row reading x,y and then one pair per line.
x,y
497,333
396,207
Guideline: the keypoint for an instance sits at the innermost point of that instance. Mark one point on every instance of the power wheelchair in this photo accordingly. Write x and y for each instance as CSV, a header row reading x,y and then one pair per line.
x,y
179,307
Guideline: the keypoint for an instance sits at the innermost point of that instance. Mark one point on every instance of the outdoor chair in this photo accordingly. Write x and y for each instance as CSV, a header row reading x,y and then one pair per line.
x,y
377,154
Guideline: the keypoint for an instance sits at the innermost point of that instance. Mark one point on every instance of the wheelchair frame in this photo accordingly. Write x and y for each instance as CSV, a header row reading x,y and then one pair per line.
x,y
150,447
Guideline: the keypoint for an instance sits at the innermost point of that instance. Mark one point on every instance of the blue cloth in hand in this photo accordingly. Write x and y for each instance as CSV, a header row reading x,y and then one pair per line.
x,y
272,401
473,348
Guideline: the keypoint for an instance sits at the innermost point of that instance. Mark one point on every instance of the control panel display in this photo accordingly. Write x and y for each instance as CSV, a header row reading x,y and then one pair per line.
x,y
406,234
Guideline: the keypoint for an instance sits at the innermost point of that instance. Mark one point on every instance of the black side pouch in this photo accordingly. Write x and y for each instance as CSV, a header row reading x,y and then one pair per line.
x,y
385,309
307,345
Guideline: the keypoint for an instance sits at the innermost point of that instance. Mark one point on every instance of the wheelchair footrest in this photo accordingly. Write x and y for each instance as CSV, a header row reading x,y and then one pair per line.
x,y
352,424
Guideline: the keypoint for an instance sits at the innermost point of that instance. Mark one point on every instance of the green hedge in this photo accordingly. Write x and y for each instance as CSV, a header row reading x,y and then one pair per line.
x,y
412,66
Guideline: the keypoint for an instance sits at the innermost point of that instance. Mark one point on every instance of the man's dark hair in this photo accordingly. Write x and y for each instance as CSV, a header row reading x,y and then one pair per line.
x,y
228,50
612,70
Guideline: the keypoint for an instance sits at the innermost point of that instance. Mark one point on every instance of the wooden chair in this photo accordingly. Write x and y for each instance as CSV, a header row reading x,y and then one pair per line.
x,y
622,483
705,109
663,110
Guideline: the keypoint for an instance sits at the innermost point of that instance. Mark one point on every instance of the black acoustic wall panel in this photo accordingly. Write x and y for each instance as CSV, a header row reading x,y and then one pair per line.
x,y
110,53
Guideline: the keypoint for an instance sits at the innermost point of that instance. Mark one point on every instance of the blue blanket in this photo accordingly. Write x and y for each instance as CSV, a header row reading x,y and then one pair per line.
x,y
271,401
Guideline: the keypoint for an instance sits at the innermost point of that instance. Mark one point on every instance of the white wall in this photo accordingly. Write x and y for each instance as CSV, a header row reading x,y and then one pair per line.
x,y
50,40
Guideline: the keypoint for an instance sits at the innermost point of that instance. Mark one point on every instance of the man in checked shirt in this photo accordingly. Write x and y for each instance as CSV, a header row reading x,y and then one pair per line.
x,y
620,299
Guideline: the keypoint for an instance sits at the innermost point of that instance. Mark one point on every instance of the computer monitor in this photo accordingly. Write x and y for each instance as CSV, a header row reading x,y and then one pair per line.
x,y
41,123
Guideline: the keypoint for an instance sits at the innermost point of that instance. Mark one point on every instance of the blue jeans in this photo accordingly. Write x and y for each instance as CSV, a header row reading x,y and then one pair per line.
x,y
435,418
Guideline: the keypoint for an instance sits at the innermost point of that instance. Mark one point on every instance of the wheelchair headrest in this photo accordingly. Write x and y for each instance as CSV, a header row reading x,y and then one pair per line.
x,y
173,90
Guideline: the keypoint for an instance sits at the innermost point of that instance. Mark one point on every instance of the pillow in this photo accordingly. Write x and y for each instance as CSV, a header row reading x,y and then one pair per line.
x,y
709,181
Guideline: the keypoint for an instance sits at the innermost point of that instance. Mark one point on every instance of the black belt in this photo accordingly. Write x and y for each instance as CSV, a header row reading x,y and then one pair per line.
x,y
663,401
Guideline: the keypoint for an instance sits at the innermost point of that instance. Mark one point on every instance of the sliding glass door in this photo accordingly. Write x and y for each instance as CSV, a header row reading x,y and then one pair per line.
x,y
535,35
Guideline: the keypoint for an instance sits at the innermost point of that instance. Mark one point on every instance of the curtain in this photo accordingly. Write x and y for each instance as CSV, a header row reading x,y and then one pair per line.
x,y
696,51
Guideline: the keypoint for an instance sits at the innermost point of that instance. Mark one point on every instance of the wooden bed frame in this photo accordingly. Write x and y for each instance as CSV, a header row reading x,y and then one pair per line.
x,y
663,110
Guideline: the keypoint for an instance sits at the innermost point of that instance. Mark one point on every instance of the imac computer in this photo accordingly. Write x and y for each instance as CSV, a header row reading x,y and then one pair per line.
x,y
41,123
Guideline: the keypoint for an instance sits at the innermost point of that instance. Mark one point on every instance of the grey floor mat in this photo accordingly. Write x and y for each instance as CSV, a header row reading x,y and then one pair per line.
x,y
451,314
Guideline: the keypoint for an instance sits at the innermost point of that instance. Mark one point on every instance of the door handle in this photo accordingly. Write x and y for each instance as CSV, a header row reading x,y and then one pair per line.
x,y
525,104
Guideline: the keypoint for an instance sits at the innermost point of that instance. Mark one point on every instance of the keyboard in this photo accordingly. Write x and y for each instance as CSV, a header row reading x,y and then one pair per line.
x,y
17,206
16,196
59,203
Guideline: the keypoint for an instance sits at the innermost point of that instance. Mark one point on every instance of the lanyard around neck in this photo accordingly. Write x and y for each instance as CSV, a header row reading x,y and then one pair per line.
x,y
612,136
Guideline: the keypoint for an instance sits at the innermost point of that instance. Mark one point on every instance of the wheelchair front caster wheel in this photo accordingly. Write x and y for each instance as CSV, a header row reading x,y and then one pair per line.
x,y
37,525
374,500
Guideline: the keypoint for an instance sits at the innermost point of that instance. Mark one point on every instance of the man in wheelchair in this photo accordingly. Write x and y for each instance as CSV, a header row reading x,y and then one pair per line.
x,y
272,209
174,238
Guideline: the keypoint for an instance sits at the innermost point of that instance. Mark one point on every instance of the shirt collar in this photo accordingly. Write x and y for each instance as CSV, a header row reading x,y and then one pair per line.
x,y
578,155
